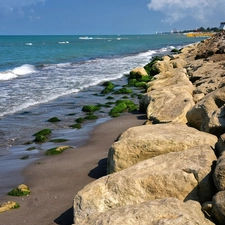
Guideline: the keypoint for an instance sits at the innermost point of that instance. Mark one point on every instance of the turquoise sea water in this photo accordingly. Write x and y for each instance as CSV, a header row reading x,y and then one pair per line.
x,y
46,76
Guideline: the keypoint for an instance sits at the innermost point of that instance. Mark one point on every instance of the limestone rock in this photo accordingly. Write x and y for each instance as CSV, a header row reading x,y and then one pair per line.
x,y
169,97
139,70
220,145
219,173
169,105
168,211
178,63
143,142
209,114
218,208
183,175
162,66
5,206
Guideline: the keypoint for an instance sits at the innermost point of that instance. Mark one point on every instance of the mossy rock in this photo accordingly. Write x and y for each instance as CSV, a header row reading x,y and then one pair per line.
x,y
149,67
141,84
110,98
108,87
130,104
5,206
43,132
123,91
76,126
31,148
80,120
90,117
57,150
119,108
21,190
40,139
59,140
90,108
54,119
175,50
71,114
24,157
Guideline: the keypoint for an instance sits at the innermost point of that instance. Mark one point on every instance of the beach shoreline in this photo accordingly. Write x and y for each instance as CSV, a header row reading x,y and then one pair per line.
x,y
55,180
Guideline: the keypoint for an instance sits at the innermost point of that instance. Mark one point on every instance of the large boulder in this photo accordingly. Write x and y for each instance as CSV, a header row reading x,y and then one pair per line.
x,y
144,142
219,173
169,97
168,211
209,114
184,175
218,208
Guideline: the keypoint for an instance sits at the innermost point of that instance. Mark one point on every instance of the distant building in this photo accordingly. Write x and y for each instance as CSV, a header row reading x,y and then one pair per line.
x,y
222,26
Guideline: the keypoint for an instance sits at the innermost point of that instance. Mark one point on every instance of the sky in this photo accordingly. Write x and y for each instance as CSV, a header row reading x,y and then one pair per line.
x,y
102,17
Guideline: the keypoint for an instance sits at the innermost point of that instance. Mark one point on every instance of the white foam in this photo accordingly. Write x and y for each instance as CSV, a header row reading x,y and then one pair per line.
x,y
63,42
7,75
28,43
18,71
24,69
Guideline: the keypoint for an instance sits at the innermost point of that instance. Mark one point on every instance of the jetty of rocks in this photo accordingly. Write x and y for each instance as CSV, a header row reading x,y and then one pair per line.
x,y
170,170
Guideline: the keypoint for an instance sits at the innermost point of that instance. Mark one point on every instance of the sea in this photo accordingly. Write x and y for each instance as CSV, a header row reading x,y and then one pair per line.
x,y
55,76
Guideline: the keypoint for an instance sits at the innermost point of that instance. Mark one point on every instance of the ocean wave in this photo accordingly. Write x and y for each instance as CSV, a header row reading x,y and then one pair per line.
x,y
63,42
29,43
18,71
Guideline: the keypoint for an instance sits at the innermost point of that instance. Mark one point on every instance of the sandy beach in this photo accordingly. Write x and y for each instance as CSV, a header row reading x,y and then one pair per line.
x,y
55,180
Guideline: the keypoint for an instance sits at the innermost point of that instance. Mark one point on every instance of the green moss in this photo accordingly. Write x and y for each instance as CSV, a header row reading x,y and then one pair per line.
x,y
40,138
59,140
149,67
110,98
16,206
56,151
119,108
91,117
31,148
90,108
129,104
108,87
25,157
54,119
43,132
21,190
175,50
76,126
123,91
80,120
71,114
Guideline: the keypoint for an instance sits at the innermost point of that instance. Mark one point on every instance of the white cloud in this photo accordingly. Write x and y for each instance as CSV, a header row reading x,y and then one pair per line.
x,y
16,6
175,10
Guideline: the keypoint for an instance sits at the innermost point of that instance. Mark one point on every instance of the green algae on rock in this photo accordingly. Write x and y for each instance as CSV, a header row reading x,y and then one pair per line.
x,y
57,150
21,190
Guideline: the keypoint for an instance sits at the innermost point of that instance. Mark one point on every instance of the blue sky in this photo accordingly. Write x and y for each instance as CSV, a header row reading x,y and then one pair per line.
x,y
85,17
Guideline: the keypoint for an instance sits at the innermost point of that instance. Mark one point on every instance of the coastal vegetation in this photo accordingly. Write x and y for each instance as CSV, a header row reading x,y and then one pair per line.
x,y
90,108
21,190
54,119
108,87
56,150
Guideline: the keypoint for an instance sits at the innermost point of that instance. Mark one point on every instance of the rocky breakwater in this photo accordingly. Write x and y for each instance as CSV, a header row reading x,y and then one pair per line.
x,y
171,170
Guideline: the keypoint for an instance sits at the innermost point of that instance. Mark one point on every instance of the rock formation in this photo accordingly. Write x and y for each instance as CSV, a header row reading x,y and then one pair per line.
x,y
144,142
162,172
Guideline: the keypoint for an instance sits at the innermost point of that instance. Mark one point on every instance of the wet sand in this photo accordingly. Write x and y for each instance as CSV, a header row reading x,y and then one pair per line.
x,y
54,180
